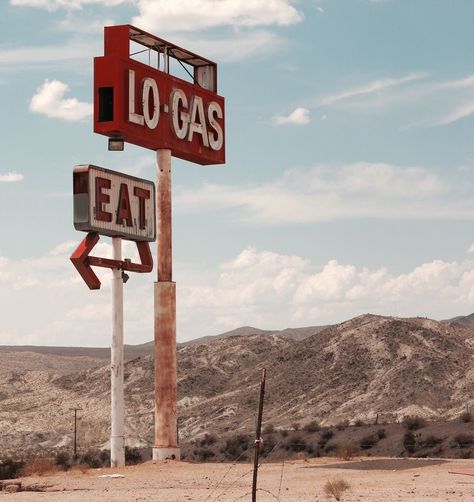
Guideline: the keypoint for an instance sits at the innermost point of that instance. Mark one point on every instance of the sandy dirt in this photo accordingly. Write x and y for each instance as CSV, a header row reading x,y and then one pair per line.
x,y
296,481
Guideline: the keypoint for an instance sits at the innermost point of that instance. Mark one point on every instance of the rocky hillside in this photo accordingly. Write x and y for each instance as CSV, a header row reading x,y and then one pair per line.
x,y
352,371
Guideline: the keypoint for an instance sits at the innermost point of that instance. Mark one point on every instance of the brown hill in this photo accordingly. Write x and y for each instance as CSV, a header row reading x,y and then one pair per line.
x,y
355,370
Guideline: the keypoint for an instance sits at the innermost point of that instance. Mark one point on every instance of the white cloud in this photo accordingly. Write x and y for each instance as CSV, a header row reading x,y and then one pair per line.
x,y
11,177
327,193
49,100
256,287
459,112
63,248
67,4
57,298
299,116
236,46
51,56
376,86
271,290
448,101
187,15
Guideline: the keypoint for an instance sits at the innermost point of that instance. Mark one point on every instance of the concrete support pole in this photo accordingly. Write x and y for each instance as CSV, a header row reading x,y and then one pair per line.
x,y
166,441
117,437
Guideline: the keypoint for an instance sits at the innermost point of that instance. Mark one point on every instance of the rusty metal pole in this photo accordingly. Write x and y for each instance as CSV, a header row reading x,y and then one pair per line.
x,y
75,429
166,443
117,436
258,436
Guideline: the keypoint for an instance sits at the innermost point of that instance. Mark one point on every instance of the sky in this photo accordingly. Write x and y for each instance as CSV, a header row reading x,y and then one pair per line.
x,y
347,187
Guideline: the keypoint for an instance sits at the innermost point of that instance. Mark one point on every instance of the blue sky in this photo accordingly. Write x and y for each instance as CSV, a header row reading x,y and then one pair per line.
x,y
349,174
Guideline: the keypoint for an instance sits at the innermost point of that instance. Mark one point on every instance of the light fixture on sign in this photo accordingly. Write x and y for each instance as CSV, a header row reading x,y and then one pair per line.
x,y
116,144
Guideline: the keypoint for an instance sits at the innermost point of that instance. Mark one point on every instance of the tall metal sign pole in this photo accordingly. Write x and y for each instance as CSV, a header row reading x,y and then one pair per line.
x,y
166,440
117,434
144,104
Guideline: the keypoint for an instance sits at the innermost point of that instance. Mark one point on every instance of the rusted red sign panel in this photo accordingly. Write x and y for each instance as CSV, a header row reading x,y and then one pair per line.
x,y
153,109
114,204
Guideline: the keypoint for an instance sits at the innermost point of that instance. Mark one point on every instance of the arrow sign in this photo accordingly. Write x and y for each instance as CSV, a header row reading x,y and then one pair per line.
x,y
83,262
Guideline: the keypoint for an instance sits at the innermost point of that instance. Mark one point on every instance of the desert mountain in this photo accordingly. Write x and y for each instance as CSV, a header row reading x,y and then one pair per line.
x,y
355,370
467,320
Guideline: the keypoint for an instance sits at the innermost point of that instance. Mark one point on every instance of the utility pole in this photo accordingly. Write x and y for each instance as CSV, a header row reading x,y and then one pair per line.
x,y
75,429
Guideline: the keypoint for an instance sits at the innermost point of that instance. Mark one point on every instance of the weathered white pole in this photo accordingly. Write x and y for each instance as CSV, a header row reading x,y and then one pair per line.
x,y
117,437
166,441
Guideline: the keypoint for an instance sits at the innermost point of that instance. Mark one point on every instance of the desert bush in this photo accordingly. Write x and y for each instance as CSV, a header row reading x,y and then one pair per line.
x,y
312,426
269,429
10,468
83,468
207,440
39,467
463,440
236,446
133,456
359,423
297,443
327,434
64,460
204,454
465,454
284,433
368,442
409,442
346,451
330,448
381,434
336,488
340,426
413,422
95,458
466,417
431,441
268,445
295,426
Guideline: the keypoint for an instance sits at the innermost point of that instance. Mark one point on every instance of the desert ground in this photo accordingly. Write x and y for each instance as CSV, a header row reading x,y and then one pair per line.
x,y
371,480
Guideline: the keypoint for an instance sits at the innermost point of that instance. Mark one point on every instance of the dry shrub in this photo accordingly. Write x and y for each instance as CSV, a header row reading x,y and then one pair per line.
x,y
346,451
312,426
462,440
368,442
340,426
466,417
409,442
39,467
413,422
82,468
10,468
336,487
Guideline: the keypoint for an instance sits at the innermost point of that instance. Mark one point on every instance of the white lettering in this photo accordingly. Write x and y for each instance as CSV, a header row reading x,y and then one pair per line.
x,y
179,117
197,108
216,138
132,116
149,84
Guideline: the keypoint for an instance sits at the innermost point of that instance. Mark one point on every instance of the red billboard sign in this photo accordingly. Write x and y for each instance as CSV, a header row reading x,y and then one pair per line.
x,y
149,107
